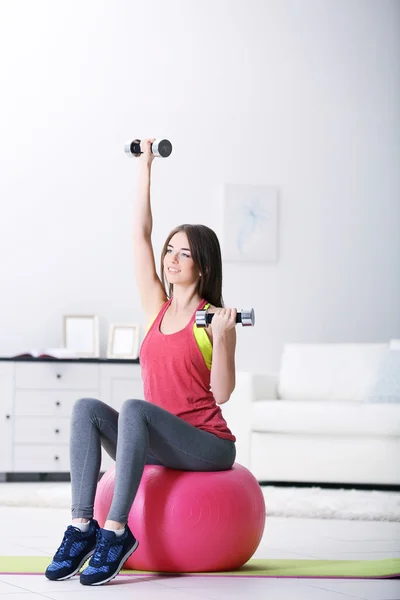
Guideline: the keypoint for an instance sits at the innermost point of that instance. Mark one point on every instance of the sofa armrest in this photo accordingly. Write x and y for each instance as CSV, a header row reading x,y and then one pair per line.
x,y
237,413
238,410
265,386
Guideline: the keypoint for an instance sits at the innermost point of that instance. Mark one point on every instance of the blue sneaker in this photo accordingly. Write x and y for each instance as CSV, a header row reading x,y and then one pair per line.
x,y
73,552
110,554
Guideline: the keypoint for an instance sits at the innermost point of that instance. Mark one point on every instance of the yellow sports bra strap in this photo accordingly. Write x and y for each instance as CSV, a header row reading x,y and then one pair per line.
x,y
203,341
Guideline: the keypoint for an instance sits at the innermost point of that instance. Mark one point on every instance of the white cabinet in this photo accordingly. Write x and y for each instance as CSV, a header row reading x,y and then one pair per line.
x,y
117,383
57,375
36,401
6,409
40,458
54,403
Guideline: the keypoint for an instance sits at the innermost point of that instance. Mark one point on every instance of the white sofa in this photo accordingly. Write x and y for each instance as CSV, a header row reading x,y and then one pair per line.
x,y
311,423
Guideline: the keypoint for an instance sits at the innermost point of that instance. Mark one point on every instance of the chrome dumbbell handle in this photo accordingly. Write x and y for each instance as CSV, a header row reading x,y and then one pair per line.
x,y
246,317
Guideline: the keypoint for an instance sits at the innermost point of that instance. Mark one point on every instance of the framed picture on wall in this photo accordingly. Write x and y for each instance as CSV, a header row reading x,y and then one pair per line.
x,y
250,223
81,335
123,341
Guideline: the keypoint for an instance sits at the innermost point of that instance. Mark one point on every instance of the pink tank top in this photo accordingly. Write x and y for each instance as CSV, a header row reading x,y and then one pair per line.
x,y
176,377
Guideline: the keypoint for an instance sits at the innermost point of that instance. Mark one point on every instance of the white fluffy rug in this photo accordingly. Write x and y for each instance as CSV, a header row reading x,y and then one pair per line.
x,y
318,503
309,503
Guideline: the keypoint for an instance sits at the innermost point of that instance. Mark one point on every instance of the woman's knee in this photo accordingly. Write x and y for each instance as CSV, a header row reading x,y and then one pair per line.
x,y
85,406
133,406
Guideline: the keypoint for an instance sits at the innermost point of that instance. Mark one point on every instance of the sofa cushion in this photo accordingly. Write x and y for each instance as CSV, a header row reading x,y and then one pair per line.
x,y
329,372
328,418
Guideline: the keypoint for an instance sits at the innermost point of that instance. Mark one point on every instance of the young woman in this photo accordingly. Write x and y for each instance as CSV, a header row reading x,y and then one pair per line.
x,y
187,373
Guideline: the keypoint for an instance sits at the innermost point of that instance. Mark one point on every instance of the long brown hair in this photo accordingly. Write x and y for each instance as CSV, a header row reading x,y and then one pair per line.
x,y
206,254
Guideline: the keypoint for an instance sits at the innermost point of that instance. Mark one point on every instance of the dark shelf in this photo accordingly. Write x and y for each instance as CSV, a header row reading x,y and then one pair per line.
x,y
71,360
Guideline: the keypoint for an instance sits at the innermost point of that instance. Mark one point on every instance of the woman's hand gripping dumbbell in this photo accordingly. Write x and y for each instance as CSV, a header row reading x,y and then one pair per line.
x,y
246,317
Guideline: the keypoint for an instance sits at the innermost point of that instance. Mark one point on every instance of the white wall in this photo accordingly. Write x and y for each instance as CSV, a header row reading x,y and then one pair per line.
x,y
303,95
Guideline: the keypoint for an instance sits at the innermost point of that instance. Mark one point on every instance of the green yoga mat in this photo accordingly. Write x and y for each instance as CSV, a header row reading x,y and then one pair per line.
x,y
340,569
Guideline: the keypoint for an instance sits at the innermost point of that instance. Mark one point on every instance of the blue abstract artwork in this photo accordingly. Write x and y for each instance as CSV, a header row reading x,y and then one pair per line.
x,y
250,223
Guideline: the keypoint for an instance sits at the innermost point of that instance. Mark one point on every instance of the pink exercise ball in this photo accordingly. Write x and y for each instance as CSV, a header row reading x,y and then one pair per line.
x,y
189,521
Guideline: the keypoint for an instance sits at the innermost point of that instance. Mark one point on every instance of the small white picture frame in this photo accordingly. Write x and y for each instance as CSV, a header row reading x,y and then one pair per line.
x,y
81,335
123,341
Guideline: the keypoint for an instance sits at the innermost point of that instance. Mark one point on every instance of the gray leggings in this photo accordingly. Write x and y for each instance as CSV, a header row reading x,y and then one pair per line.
x,y
140,434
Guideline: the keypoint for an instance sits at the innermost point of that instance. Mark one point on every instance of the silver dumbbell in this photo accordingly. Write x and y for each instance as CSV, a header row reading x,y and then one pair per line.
x,y
161,148
246,317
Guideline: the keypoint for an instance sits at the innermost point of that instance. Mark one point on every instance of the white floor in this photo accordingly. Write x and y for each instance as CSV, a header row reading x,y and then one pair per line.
x,y
38,531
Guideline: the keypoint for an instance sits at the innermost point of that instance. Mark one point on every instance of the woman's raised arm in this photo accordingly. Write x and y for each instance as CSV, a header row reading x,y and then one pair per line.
x,y
151,290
